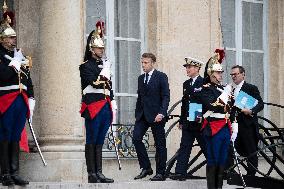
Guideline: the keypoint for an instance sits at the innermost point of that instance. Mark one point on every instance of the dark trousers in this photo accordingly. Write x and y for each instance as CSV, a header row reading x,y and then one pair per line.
x,y
13,121
217,147
97,128
158,131
246,144
187,140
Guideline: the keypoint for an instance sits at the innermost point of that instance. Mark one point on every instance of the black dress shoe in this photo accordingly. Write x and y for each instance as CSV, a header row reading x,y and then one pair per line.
x,y
158,177
19,181
103,178
144,173
178,176
7,180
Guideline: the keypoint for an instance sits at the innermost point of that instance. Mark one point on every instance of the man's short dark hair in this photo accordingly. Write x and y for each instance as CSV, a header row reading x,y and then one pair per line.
x,y
241,69
149,55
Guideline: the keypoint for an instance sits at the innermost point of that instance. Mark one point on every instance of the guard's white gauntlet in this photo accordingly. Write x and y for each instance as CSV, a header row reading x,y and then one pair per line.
x,y
234,131
31,106
114,110
106,69
17,60
225,94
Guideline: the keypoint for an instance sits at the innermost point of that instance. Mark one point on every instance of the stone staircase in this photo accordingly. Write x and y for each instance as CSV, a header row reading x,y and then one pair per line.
x,y
145,184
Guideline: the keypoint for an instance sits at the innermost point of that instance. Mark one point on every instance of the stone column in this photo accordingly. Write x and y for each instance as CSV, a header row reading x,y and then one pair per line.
x,y
276,59
61,42
61,135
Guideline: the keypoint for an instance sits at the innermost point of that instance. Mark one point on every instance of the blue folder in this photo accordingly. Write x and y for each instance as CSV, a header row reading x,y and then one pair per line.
x,y
244,100
194,111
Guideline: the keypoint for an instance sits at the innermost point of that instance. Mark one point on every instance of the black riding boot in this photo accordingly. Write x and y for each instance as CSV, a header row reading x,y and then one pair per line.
x,y
99,172
90,162
220,175
211,176
5,164
14,164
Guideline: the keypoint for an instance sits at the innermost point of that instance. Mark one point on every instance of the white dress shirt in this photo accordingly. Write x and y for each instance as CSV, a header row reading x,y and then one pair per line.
x,y
149,76
194,79
238,88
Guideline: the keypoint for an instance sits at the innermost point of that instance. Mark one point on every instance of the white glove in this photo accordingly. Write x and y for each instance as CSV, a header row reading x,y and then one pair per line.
x,y
114,110
31,106
17,60
234,131
106,69
225,94
18,55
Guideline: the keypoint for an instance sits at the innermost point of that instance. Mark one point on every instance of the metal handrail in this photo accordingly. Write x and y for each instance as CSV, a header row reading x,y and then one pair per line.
x,y
270,137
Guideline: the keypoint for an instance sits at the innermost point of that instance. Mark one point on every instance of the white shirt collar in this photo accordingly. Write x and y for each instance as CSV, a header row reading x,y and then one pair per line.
x,y
150,72
194,79
240,84
149,77
238,88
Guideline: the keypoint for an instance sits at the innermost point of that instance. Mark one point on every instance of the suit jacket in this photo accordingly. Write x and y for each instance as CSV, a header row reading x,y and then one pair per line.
x,y
191,93
153,98
245,120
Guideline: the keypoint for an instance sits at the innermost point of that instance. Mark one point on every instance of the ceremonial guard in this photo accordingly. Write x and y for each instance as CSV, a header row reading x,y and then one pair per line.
x,y
16,103
216,126
190,126
98,104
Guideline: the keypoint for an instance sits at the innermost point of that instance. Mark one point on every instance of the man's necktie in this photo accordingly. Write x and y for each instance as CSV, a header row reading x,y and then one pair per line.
x,y
146,79
190,81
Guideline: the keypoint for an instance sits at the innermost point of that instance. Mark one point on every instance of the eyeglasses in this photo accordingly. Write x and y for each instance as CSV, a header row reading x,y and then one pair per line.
x,y
234,74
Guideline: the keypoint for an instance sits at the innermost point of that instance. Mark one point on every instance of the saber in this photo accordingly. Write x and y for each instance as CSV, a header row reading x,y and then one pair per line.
x,y
37,146
235,156
115,147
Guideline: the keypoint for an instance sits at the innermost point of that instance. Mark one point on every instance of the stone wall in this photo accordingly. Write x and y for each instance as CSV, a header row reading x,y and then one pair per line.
x,y
276,59
177,29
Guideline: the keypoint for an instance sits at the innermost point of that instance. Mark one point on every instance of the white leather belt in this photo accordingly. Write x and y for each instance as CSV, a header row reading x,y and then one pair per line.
x,y
215,115
90,89
12,87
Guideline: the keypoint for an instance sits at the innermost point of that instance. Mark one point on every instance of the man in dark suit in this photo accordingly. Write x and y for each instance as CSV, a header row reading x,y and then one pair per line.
x,y
151,110
190,129
247,138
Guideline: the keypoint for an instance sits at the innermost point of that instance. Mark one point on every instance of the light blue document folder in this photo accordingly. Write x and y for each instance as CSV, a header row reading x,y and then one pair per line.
x,y
194,111
244,100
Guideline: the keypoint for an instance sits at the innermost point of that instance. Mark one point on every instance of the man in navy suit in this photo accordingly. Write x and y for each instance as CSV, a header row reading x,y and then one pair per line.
x,y
190,129
247,138
151,110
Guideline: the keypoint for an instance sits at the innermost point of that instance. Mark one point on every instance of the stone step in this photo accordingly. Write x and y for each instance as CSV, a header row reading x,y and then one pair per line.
x,y
168,184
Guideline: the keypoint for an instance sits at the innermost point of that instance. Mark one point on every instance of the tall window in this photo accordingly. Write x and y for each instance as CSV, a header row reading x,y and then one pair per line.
x,y
244,33
124,45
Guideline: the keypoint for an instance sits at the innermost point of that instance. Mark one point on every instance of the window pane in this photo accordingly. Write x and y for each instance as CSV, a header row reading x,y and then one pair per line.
x,y
96,9
127,66
228,22
229,62
253,64
127,18
252,26
126,106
